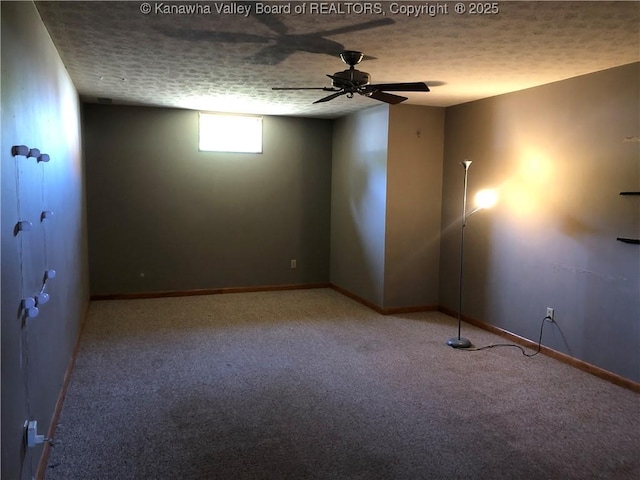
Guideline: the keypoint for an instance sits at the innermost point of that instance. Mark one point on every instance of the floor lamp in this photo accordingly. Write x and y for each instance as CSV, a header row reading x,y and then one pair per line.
x,y
484,199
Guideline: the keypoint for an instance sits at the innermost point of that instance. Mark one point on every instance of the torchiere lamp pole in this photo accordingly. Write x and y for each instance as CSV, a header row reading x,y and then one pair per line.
x,y
460,342
484,199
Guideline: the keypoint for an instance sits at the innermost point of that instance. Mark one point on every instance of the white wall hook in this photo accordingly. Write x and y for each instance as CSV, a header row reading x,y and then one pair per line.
x,y
22,150
33,438
28,302
42,298
29,307
24,225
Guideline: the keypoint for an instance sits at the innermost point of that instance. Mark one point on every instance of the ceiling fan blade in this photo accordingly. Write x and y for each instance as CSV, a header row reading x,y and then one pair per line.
x,y
399,87
331,97
385,97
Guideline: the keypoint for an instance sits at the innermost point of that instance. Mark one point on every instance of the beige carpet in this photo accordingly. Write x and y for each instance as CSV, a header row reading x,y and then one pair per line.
x,y
309,384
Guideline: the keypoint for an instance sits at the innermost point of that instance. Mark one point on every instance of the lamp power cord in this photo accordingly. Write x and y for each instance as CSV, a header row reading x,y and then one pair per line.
x,y
524,352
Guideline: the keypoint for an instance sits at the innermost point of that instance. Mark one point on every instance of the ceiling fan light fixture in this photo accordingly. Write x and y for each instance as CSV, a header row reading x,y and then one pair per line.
x,y
351,57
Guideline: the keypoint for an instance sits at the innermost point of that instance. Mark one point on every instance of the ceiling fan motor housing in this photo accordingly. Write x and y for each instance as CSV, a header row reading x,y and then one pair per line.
x,y
351,77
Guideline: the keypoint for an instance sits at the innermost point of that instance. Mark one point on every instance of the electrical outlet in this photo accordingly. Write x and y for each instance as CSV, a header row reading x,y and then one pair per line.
x,y
294,264
33,438
550,314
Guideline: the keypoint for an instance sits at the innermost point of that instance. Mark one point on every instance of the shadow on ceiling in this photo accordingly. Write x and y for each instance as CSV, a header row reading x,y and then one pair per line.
x,y
281,44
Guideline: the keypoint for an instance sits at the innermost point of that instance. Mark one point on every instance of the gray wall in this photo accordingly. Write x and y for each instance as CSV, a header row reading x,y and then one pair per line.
x,y
358,202
40,109
414,200
164,216
386,204
557,155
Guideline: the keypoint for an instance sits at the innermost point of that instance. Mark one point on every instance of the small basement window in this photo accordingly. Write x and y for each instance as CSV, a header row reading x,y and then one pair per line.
x,y
230,133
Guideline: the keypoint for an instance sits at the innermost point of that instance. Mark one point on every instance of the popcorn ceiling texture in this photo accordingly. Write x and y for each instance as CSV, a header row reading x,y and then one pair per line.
x,y
229,62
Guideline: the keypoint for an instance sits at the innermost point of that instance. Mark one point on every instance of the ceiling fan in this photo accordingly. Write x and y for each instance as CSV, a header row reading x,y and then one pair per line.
x,y
352,81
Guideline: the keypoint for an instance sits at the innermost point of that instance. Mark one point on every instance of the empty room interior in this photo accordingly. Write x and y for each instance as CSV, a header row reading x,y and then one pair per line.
x,y
322,294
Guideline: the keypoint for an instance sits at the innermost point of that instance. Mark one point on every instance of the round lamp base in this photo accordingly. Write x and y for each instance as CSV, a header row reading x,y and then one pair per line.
x,y
458,342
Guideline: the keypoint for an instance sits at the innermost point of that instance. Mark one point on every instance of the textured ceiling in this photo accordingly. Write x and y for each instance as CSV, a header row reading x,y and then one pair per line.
x,y
229,61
